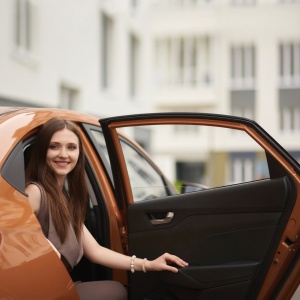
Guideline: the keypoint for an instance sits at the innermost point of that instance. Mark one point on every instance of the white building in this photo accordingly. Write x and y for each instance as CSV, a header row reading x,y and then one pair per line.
x,y
110,57
73,54
237,57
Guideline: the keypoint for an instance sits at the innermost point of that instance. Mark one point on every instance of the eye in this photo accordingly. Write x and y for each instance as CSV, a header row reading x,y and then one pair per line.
x,y
53,146
72,147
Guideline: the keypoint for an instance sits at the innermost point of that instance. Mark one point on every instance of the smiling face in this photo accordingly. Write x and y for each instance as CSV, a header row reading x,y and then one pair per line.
x,y
62,154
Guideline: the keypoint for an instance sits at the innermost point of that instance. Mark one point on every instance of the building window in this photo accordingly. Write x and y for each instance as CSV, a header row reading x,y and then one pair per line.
x,y
23,28
243,2
183,61
242,170
290,118
134,3
242,95
185,129
243,103
190,171
181,4
289,87
289,64
107,51
69,98
133,65
247,167
245,112
243,67
288,1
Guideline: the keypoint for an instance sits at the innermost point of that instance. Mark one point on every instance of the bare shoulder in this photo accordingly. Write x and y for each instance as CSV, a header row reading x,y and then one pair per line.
x,y
34,195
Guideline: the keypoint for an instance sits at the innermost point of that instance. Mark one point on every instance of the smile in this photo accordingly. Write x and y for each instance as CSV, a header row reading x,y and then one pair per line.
x,y
61,164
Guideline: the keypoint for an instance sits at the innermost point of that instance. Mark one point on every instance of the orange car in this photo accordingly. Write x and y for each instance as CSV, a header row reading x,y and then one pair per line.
x,y
239,234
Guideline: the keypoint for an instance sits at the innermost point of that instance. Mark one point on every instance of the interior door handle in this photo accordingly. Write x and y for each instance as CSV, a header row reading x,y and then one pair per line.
x,y
159,221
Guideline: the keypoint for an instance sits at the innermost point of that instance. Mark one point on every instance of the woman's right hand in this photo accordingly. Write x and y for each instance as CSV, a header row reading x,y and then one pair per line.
x,y
162,263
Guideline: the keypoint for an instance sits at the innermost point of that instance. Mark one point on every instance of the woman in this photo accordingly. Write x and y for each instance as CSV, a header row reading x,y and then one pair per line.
x,y
59,162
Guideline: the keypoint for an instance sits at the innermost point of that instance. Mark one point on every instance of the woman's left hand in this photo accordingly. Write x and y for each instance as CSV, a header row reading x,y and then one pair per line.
x,y
162,263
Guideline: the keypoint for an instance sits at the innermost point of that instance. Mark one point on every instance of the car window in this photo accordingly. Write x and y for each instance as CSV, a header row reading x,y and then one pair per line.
x,y
13,170
198,157
146,181
98,135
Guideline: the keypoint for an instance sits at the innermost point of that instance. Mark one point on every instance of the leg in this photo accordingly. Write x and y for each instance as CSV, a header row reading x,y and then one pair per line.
x,y
101,290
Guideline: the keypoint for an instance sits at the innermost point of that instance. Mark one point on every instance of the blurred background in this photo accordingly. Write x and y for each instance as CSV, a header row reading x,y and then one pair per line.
x,y
109,57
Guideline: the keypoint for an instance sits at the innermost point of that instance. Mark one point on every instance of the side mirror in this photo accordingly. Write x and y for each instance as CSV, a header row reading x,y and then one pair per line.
x,y
189,187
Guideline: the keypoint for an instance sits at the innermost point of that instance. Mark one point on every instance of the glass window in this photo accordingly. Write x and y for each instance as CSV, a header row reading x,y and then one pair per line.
x,y
23,34
13,170
69,98
210,157
289,64
243,2
107,30
134,65
98,135
243,67
146,181
243,167
243,111
183,61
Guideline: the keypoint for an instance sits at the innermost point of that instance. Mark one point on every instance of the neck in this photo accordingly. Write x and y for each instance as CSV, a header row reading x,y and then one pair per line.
x,y
60,182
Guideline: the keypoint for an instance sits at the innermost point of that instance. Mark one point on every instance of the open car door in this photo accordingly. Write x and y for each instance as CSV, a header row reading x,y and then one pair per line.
x,y
239,233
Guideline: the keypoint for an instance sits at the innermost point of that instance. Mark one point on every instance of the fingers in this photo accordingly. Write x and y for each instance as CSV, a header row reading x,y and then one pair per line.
x,y
162,263
175,259
171,269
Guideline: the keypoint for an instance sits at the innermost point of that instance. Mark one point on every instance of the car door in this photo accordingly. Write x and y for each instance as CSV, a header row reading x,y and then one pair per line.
x,y
239,234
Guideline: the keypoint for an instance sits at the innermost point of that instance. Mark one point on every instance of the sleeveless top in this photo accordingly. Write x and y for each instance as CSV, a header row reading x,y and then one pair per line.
x,y
71,250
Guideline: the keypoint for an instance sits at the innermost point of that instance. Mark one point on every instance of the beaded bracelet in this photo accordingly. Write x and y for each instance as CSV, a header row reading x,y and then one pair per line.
x,y
132,263
143,265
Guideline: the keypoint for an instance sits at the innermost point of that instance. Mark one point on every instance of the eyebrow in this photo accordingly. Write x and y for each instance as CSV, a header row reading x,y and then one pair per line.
x,y
71,143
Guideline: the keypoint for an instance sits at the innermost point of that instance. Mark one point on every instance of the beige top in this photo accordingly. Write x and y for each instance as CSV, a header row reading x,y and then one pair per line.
x,y
72,249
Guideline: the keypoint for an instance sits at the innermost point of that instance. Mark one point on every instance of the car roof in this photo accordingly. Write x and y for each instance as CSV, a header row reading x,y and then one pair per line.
x,y
17,122
6,110
47,113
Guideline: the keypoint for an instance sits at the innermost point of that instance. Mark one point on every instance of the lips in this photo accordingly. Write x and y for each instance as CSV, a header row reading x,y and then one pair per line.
x,y
61,163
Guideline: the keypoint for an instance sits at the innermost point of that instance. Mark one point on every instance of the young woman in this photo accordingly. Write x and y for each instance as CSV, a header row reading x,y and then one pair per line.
x,y
58,161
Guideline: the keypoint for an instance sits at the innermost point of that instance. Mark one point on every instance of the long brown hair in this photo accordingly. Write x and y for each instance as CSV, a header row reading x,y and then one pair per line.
x,y
63,214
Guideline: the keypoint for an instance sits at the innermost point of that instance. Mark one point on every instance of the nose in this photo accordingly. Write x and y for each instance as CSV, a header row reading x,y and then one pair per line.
x,y
63,153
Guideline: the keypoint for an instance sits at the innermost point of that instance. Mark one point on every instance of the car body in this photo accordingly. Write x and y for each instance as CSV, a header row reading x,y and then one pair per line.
x,y
240,238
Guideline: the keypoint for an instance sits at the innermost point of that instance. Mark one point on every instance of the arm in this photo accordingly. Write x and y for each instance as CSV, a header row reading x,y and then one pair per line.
x,y
106,257
34,195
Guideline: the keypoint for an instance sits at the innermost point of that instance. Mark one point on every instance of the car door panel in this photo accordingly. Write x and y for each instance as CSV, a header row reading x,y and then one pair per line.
x,y
237,238
224,234
204,277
